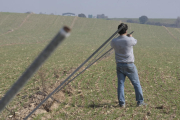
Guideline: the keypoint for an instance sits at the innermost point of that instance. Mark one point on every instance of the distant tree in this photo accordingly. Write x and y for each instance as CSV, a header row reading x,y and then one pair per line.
x,y
150,23
143,19
29,12
178,22
158,24
129,20
132,21
82,15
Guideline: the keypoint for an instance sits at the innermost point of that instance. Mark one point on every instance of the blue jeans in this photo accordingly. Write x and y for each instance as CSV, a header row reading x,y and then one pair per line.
x,y
129,70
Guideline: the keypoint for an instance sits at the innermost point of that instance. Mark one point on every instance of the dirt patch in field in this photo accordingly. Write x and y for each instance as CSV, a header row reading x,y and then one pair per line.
x,y
51,104
41,93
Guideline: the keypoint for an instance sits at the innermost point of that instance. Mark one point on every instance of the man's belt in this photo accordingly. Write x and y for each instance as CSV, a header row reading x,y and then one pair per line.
x,y
125,63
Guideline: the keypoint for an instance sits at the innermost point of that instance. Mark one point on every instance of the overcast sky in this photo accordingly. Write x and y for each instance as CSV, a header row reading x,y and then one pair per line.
x,y
111,8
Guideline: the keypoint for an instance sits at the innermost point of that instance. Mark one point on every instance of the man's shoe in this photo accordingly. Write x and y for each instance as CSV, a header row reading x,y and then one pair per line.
x,y
141,104
122,105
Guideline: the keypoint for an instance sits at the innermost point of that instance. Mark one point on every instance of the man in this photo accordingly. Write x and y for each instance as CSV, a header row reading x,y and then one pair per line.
x,y
123,46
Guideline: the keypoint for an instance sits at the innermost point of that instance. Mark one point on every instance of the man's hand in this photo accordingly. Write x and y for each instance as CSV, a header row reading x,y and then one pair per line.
x,y
129,35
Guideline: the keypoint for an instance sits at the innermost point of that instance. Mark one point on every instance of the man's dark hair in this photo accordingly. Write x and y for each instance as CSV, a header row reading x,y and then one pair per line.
x,y
124,28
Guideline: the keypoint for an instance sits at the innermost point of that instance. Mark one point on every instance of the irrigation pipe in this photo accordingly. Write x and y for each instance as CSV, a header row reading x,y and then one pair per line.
x,y
61,35
103,49
85,69
90,64
73,73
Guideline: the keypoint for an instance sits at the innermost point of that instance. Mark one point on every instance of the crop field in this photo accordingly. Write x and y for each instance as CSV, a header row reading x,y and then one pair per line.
x,y
92,95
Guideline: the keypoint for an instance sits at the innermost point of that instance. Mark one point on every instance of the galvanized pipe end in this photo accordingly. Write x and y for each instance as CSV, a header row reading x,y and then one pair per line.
x,y
65,31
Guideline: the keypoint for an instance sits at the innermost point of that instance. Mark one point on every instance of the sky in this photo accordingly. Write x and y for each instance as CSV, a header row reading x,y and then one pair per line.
x,y
111,8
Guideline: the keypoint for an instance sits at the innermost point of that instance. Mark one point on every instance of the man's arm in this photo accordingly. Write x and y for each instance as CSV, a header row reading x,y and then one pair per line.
x,y
133,40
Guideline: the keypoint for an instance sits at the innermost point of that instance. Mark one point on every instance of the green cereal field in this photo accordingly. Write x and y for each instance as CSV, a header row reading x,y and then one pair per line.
x,y
92,95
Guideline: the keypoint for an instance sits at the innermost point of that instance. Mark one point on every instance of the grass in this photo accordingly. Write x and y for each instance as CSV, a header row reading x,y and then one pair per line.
x,y
93,94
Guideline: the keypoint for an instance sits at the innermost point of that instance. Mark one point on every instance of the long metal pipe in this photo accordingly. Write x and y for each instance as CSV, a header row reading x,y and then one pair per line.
x,y
61,35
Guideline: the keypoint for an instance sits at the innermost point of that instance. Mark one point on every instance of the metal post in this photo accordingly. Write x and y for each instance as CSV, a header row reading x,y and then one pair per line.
x,y
63,33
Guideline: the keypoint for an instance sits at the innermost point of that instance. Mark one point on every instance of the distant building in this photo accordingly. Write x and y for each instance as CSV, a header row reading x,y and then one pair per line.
x,y
102,16
68,14
90,16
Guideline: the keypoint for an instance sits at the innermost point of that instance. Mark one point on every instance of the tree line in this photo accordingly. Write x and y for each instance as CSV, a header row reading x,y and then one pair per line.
x,y
144,20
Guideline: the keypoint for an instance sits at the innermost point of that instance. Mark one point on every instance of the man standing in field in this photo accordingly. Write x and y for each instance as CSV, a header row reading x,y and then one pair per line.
x,y
123,46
